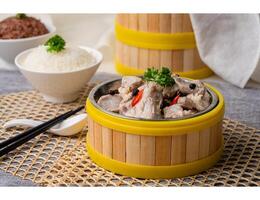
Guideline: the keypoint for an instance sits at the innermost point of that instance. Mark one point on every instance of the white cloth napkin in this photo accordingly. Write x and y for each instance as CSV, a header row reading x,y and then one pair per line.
x,y
230,45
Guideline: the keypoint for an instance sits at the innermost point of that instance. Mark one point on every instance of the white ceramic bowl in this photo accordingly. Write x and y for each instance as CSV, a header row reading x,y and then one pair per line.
x,y
60,87
11,47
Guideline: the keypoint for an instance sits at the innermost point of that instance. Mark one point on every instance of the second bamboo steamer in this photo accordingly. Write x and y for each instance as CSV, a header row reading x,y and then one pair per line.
x,y
155,40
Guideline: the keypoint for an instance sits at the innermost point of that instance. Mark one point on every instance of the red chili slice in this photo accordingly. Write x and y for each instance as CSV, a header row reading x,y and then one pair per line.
x,y
137,98
175,100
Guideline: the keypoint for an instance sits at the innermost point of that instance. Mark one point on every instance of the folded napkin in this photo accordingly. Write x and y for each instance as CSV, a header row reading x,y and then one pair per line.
x,y
230,45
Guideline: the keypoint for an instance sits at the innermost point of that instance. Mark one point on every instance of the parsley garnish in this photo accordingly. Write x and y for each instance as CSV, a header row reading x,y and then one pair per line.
x,y
55,44
21,15
162,77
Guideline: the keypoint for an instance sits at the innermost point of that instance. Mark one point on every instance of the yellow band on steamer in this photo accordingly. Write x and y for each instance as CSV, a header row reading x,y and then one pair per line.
x,y
195,74
158,128
149,40
145,171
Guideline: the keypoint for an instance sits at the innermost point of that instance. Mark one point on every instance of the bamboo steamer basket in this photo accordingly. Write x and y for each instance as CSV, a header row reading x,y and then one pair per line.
x,y
155,40
154,148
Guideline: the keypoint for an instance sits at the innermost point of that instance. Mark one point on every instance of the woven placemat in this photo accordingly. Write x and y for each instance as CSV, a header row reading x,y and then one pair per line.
x,y
51,160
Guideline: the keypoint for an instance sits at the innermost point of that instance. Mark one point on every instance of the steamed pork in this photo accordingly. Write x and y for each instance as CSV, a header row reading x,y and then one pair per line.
x,y
128,84
176,111
196,95
158,95
110,102
148,106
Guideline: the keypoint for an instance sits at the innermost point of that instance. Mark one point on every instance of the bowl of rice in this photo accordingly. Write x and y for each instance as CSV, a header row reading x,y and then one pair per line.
x,y
59,72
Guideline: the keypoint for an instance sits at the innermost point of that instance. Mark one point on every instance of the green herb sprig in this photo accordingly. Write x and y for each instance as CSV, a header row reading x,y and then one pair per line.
x,y
55,44
21,15
161,76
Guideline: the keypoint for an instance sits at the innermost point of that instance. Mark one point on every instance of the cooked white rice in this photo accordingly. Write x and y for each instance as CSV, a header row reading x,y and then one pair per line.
x,y
70,59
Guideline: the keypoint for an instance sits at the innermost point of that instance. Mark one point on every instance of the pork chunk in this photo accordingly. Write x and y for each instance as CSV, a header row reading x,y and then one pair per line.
x,y
200,103
149,105
129,83
195,101
170,91
173,111
110,102
190,87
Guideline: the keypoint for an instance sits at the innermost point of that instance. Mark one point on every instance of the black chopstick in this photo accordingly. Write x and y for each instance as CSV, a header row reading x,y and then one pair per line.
x,y
11,140
18,140
8,141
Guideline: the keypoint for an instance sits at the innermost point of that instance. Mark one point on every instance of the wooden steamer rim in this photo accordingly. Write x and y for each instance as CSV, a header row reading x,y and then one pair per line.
x,y
195,74
149,40
159,127
157,41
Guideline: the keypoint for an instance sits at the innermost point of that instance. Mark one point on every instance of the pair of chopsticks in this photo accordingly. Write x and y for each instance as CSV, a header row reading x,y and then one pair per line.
x,y
16,141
